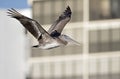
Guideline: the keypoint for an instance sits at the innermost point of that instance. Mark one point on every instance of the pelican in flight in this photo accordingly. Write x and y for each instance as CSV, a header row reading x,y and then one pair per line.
x,y
46,39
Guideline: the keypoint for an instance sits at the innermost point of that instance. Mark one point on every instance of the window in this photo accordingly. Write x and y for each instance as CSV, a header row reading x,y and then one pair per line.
x,y
47,11
104,9
104,40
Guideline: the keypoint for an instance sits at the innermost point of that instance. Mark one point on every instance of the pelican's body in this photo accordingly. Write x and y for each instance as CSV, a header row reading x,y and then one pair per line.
x,y
47,39
49,44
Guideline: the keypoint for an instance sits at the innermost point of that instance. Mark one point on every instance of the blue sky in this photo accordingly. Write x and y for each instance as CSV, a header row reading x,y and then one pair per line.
x,y
14,4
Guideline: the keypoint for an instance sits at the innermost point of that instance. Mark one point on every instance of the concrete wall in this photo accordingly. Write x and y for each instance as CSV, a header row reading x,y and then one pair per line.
x,y
12,48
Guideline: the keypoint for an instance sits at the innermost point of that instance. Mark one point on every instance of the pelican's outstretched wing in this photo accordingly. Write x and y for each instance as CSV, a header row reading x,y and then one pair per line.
x,y
31,25
60,23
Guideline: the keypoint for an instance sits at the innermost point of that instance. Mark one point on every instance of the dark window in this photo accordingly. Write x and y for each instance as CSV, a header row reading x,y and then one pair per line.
x,y
104,9
104,40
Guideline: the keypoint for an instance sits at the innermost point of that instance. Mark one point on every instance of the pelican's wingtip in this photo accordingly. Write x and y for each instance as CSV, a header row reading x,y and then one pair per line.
x,y
68,8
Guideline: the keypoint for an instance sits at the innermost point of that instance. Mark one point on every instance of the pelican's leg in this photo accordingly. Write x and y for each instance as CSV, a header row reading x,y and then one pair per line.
x,y
35,46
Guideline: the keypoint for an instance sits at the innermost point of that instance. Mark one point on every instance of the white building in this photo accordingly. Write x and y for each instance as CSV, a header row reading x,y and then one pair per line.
x,y
13,47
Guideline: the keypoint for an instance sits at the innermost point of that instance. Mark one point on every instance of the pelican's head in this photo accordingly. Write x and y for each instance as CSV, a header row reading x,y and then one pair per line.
x,y
69,40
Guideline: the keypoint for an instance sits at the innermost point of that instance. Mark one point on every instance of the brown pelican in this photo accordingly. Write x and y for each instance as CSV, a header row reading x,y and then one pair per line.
x,y
47,39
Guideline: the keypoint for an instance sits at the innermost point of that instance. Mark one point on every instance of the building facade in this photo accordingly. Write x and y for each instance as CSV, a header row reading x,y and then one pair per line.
x,y
96,25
